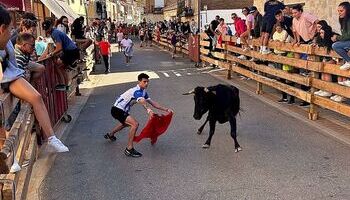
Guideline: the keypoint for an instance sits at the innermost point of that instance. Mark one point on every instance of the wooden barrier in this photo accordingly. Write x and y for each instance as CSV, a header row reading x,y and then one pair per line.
x,y
19,139
227,57
165,42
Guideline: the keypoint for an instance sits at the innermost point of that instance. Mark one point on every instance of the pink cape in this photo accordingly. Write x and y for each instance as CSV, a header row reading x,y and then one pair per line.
x,y
155,126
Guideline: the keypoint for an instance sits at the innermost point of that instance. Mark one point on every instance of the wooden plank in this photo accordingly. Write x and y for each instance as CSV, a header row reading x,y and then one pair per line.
x,y
321,51
272,71
335,69
220,55
331,87
204,43
215,62
332,105
204,51
203,36
303,48
274,83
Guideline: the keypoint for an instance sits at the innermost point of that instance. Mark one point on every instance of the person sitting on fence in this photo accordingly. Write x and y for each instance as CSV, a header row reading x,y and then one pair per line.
x,y
62,25
281,35
246,35
269,20
24,48
78,34
342,42
127,45
323,38
105,49
256,32
68,50
221,30
14,82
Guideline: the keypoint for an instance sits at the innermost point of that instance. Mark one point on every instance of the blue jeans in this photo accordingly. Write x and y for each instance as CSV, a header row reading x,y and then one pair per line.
x,y
342,48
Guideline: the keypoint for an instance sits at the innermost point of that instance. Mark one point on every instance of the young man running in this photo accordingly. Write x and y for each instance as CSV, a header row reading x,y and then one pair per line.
x,y
121,108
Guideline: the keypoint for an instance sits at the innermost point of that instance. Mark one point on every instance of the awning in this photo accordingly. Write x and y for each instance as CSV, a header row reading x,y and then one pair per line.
x,y
60,8
13,4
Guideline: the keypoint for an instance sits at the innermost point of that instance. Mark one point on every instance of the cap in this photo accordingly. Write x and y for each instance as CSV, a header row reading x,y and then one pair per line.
x,y
252,9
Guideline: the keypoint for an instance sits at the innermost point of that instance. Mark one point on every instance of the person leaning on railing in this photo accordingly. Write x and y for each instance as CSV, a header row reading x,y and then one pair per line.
x,y
14,82
342,42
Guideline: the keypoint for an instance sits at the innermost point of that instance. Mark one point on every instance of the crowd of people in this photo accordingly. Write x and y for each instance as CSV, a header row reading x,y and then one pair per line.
x,y
289,25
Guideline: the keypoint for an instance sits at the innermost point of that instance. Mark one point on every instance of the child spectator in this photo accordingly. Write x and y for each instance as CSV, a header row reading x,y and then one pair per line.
x,y
127,45
281,35
173,40
142,35
105,49
221,30
342,42
14,82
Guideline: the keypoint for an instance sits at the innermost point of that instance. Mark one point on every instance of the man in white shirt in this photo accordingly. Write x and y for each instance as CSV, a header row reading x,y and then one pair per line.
x,y
127,45
120,36
121,108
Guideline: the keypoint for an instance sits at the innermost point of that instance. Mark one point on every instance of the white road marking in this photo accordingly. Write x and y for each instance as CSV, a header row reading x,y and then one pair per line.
x,y
176,73
165,74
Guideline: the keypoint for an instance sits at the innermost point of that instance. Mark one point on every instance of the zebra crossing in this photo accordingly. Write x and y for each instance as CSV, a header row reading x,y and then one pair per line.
x,y
187,72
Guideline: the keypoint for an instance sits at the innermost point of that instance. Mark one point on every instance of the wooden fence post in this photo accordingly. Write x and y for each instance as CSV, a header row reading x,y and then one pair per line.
x,y
313,113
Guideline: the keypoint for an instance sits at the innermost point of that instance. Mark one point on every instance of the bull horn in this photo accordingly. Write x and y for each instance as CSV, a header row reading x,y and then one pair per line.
x,y
206,89
188,93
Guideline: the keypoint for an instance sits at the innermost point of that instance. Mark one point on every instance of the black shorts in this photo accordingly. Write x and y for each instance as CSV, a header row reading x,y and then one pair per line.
x,y
119,114
142,38
70,56
267,25
6,87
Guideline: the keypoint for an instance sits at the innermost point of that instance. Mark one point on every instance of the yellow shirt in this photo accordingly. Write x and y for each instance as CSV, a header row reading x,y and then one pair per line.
x,y
282,36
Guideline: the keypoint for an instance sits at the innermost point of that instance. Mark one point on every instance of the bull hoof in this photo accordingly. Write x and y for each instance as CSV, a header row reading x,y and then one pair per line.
x,y
205,146
238,149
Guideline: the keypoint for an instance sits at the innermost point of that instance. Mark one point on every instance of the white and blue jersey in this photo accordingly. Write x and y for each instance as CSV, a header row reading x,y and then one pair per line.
x,y
130,97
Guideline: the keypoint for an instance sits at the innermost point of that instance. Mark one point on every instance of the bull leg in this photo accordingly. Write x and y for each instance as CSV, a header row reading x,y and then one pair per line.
x,y
233,124
202,127
211,133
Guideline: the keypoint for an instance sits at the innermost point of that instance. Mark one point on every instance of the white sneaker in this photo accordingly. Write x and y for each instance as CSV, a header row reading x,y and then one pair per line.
x,y
337,98
15,166
341,82
271,65
347,83
265,52
318,92
325,94
55,145
246,49
346,66
242,57
252,60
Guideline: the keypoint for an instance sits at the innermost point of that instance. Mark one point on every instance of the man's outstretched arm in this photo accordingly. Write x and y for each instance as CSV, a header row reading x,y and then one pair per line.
x,y
158,106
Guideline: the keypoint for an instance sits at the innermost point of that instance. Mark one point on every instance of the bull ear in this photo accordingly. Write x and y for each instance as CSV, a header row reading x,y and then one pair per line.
x,y
188,93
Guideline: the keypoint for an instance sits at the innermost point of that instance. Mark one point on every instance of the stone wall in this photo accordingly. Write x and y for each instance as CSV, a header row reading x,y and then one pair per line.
x,y
226,4
323,9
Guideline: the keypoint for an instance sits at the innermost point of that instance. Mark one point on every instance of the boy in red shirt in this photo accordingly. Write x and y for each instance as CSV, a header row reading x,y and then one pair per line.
x,y
105,49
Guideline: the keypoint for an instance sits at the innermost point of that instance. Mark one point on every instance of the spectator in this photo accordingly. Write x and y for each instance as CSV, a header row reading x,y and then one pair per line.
x,y
26,26
281,35
246,35
70,52
304,28
213,25
193,27
14,82
221,30
342,42
25,16
78,34
105,49
142,35
173,41
304,25
257,22
62,24
269,20
40,46
240,26
128,48
120,36
24,48
285,21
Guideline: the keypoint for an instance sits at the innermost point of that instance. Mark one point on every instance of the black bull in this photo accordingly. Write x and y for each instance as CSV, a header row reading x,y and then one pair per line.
x,y
223,104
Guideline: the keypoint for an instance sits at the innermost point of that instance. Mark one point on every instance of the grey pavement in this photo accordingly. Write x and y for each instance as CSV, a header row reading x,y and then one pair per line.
x,y
282,157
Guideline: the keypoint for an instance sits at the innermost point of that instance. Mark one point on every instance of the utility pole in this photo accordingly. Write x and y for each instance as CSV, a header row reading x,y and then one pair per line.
x,y
199,15
86,11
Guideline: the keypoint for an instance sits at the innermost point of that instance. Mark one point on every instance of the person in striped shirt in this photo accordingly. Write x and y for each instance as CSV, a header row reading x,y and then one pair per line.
x,y
24,48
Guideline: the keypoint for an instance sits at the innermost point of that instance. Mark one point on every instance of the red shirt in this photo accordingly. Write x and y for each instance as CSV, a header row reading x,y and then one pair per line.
x,y
239,26
104,47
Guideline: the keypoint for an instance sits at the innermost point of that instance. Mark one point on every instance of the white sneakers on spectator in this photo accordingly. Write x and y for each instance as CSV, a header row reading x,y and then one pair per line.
x,y
252,60
337,98
323,93
265,51
271,65
344,83
346,66
15,166
55,145
242,57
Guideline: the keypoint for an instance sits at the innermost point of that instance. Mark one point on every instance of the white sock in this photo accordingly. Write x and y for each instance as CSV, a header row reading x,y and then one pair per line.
x,y
264,48
52,137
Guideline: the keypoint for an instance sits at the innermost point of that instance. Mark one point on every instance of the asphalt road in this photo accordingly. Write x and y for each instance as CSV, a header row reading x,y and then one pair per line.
x,y
282,157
